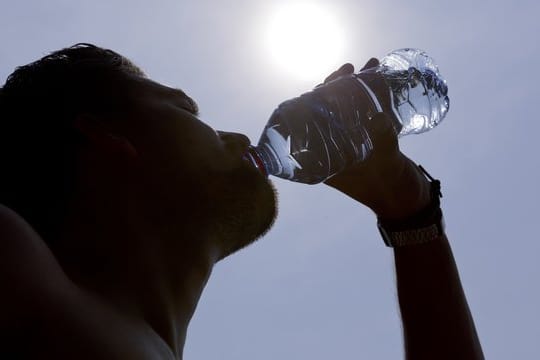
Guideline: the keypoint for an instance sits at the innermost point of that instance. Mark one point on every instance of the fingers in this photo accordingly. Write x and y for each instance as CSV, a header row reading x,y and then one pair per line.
x,y
373,62
348,68
345,69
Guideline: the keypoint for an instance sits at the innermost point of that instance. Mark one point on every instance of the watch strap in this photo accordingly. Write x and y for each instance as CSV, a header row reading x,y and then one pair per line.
x,y
424,226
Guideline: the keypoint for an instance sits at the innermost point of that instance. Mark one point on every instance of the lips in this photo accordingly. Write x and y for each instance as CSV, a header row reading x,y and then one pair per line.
x,y
254,160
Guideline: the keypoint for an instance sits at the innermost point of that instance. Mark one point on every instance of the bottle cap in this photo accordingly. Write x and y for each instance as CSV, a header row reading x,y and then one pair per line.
x,y
254,159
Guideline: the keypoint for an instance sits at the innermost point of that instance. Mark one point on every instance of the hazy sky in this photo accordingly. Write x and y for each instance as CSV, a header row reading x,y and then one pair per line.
x,y
320,285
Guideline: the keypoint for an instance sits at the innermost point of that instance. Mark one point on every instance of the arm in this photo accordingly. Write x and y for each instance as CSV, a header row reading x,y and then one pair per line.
x,y
436,319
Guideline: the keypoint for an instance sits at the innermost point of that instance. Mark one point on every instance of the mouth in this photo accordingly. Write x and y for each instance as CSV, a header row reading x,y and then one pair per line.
x,y
251,157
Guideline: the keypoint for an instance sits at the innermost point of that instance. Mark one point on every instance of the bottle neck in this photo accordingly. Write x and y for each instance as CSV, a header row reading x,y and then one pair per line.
x,y
264,160
254,157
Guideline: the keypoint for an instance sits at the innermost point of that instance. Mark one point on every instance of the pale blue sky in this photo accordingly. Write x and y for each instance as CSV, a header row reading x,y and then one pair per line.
x,y
320,285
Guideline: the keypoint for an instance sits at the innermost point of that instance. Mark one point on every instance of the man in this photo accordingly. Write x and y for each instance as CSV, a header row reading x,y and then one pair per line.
x,y
118,201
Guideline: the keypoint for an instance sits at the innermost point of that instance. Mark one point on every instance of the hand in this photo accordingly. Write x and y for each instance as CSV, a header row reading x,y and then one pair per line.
x,y
388,182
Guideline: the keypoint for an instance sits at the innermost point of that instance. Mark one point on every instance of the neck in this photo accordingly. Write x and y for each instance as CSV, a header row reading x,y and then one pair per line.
x,y
139,270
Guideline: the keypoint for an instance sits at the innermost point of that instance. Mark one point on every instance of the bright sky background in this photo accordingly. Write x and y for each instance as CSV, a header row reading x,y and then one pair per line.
x,y
320,285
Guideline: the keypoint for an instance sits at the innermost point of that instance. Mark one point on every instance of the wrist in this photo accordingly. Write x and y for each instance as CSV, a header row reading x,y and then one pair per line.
x,y
410,193
424,225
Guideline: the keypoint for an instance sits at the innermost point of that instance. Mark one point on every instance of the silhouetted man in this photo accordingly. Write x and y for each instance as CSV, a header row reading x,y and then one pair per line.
x,y
118,201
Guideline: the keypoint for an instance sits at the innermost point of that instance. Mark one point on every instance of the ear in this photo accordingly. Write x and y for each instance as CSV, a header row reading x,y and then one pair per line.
x,y
100,136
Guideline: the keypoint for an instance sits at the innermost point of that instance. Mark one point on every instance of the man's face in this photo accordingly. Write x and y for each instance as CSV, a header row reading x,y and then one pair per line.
x,y
194,175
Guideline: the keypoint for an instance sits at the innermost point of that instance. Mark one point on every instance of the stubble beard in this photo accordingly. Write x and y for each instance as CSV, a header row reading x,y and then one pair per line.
x,y
242,208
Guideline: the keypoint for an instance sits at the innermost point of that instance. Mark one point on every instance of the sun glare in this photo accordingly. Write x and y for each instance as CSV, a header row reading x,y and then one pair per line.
x,y
306,40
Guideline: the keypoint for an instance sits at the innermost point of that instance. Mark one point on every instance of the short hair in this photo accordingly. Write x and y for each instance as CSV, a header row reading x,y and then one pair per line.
x,y
38,144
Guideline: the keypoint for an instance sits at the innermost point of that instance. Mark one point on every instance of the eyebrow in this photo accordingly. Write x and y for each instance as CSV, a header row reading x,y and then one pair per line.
x,y
152,85
194,107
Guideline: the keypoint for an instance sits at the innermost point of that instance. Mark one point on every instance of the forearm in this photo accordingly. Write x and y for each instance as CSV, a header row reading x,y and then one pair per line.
x,y
436,319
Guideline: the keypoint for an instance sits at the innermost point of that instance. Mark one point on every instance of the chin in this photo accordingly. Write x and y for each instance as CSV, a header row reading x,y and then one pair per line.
x,y
244,209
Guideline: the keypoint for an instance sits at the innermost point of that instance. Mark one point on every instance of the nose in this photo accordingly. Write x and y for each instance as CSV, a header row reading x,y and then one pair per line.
x,y
235,142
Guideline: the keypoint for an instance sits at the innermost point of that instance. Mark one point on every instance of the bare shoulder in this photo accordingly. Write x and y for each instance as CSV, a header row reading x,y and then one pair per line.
x,y
41,308
25,259
29,273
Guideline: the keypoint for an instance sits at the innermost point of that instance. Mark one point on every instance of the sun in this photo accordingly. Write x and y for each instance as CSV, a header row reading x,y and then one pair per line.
x,y
306,40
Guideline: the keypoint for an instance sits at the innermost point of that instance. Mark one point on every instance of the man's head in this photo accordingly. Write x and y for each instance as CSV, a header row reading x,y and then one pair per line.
x,y
84,127
38,104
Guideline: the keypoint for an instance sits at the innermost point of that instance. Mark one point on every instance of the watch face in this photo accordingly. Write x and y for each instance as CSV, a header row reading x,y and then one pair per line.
x,y
387,240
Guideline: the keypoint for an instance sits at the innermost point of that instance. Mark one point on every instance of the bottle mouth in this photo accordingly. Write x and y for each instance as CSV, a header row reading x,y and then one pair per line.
x,y
255,160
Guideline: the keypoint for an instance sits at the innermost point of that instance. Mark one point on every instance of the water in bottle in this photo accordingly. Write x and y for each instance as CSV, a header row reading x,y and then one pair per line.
x,y
312,137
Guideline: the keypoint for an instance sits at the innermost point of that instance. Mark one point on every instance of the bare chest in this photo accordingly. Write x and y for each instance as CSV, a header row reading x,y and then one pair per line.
x,y
83,329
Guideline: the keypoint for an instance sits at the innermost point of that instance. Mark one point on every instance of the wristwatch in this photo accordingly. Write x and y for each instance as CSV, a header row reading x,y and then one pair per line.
x,y
425,226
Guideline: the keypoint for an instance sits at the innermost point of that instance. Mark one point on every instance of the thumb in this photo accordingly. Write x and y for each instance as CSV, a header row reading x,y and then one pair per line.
x,y
383,134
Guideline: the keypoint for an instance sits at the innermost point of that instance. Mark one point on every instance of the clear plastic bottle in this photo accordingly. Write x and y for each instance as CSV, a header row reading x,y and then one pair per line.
x,y
315,136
